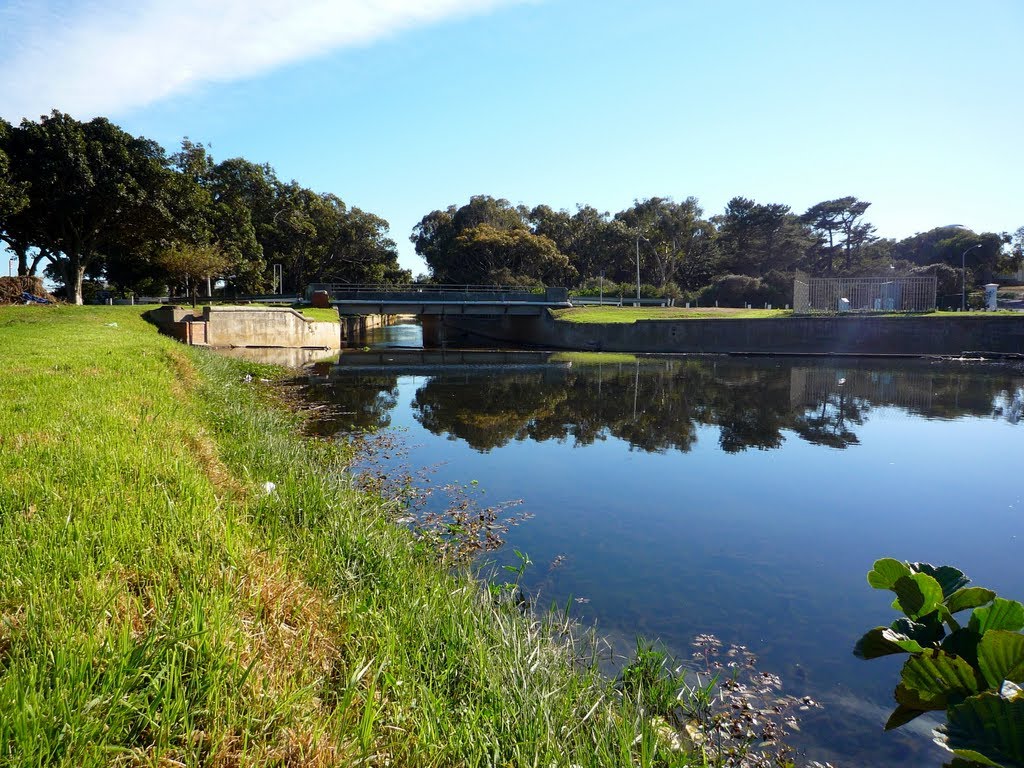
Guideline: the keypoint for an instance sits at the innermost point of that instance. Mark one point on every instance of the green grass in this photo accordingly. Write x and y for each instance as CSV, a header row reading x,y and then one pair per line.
x,y
320,314
159,607
976,313
613,314
593,358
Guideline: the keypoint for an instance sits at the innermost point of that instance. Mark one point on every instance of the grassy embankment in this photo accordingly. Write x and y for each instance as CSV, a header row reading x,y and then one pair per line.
x,y
159,607
320,314
613,314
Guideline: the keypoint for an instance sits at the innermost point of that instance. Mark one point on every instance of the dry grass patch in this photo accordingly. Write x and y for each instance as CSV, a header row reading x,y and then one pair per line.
x,y
204,450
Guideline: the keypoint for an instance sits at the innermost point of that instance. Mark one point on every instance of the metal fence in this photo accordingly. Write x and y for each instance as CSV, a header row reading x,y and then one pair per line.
x,y
863,294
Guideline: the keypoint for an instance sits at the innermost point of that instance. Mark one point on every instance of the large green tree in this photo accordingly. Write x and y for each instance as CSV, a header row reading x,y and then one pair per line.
x,y
487,254
92,187
487,241
680,243
14,232
245,216
841,233
318,238
1017,248
594,243
12,194
984,254
756,238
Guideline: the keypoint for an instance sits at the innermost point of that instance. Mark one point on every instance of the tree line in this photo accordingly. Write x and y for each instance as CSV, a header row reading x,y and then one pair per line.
x,y
90,205
86,202
751,249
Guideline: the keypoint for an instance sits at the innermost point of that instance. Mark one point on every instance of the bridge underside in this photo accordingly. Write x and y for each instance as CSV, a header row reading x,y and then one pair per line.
x,y
438,308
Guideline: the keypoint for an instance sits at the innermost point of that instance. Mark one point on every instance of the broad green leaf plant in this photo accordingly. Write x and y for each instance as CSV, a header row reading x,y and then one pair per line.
x,y
972,670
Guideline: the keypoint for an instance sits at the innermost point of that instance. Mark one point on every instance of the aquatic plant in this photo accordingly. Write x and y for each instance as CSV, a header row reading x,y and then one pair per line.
x,y
971,672
725,709
447,519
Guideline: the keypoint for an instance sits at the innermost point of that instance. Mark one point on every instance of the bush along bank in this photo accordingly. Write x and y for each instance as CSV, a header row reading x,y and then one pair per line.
x,y
184,580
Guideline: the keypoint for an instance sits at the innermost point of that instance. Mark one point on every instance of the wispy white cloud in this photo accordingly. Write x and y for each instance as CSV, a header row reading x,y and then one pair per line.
x,y
93,57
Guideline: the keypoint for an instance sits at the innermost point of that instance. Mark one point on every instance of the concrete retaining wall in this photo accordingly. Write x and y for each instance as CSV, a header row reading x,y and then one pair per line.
x,y
266,327
925,335
355,327
246,327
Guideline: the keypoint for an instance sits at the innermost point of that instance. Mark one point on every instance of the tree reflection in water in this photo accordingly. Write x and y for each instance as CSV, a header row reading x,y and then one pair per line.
x,y
657,404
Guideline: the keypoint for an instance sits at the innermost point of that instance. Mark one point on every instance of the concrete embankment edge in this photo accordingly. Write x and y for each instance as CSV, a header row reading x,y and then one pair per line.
x,y
245,327
920,335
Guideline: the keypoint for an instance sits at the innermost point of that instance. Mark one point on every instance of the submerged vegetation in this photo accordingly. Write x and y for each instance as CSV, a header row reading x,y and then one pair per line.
x,y
186,580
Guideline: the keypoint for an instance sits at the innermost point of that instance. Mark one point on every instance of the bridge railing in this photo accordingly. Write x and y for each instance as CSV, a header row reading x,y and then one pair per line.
x,y
333,288
418,293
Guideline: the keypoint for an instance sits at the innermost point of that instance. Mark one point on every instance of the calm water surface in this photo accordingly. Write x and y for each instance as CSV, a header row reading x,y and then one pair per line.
x,y
743,497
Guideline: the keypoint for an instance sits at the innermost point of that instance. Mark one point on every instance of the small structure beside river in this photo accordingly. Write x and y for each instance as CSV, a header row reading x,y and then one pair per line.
x,y
246,326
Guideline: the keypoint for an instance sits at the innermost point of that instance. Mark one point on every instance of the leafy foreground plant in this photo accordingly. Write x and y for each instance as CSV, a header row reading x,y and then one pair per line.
x,y
972,672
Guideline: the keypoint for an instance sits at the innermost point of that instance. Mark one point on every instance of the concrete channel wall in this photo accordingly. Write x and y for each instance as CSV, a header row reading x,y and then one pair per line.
x,y
246,327
921,335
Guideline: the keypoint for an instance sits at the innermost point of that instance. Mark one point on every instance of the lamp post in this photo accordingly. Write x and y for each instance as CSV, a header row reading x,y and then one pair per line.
x,y
963,276
638,239
278,279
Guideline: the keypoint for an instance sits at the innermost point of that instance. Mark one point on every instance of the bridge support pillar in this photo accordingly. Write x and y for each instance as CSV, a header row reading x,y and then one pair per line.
x,y
433,331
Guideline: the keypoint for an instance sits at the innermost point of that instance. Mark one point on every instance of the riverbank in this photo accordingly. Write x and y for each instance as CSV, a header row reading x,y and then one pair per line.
x,y
184,579
940,334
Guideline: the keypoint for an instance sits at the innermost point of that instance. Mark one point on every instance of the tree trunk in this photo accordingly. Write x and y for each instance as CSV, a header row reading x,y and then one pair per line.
x,y
22,254
74,272
34,267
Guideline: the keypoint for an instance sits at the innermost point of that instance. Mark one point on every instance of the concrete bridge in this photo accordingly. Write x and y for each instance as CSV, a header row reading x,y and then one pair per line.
x,y
433,303
439,299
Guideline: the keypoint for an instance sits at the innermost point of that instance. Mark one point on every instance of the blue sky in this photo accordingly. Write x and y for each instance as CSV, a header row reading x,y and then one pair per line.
x,y
401,107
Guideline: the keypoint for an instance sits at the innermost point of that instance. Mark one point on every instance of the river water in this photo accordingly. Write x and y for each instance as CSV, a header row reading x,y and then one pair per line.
x,y
744,497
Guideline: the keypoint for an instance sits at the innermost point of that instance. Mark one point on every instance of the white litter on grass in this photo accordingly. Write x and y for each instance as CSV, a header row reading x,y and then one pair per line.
x,y
111,325
269,487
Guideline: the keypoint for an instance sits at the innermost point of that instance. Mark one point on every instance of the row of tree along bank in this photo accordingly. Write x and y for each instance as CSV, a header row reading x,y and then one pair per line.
x,y
95,207
98,208
747,254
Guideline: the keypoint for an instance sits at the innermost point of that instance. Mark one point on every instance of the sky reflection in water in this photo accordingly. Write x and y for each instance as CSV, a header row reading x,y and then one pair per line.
x,y
747,498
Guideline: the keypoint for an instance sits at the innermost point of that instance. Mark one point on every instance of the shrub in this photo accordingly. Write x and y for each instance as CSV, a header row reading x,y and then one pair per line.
x,y
971,671
739,290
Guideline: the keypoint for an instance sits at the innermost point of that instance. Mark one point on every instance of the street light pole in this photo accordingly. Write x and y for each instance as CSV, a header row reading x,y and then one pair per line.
x,y
638,239
963,276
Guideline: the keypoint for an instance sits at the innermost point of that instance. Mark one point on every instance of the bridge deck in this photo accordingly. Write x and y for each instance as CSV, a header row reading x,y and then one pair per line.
x,y
442,300
422,307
